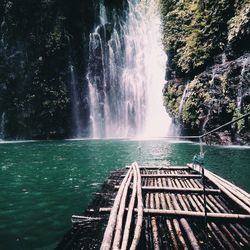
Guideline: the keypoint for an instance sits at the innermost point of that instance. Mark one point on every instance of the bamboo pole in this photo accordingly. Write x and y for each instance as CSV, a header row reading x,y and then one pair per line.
x,y
147,229
156,237
185,184
218,204
187,176
232,189
194,184
231,237
176,223
138,227
162,167
220,201
130,212
169,202
184,207
229,193
232,186
192,214
225,210
199,207
244,230
213,205
180,234
198,183
190,184
194,205
155,233
190,234
178,183
208,208
172,235
168,222
227,189
108,235
240,235
179,190
222,236
186,226
118,229
212,231
196,200
184,197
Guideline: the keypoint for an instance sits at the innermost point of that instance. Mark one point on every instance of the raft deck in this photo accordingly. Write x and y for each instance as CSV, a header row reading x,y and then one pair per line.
x,y
170,207
177,208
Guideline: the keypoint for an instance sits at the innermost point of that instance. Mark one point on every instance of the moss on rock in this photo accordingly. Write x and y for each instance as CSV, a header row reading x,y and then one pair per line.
x,y
208,56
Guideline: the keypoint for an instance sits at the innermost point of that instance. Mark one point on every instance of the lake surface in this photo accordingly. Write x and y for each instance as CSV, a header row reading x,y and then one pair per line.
x,y
43,183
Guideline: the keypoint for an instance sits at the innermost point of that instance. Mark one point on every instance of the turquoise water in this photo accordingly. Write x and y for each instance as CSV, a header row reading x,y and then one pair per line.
x,y
43,183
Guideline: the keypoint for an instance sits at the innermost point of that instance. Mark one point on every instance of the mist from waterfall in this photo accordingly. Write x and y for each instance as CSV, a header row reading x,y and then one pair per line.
x,y
126,74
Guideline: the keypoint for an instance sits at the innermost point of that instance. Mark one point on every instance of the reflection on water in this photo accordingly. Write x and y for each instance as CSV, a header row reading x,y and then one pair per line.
x,y
44,183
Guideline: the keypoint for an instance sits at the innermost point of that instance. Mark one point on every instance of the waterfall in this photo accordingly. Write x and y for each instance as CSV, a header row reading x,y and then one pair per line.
x,y
223,58
2,126
126,73
210,105
183,98
242,83
75,102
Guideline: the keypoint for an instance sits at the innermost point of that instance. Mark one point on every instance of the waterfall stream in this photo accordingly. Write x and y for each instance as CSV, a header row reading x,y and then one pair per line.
x,y
126,73
183,98
242,83
2,126
75,102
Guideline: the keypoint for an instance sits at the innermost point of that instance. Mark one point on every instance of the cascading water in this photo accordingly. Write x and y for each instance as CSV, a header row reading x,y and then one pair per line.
x,y
126,73
242,83
210,105
2,126
75,102
183,98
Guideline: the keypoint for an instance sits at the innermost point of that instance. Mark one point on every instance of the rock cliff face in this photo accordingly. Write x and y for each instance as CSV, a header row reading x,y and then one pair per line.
x,y
208,71
44,50
39,41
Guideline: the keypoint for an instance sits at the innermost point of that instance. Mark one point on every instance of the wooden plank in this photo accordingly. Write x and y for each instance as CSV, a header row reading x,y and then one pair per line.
x,y
122,207
226,189
186,214
179,190
131,206
163,168
108,235
139,220
190,176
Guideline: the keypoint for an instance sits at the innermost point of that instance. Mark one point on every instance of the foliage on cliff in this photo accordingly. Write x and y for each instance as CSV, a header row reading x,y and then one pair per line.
x,y
208,44
197,30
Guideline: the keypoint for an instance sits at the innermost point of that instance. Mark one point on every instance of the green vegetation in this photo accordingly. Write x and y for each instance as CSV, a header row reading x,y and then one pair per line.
x,y
196,33
195,30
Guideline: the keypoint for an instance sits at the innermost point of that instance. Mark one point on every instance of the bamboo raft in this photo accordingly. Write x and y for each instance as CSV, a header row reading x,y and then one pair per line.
x,y
163,207
172,207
